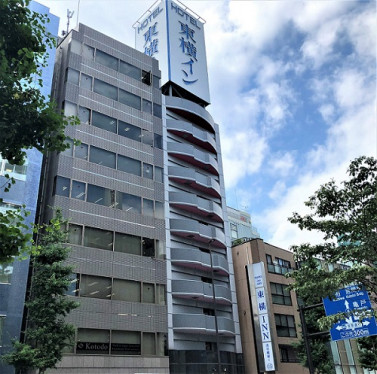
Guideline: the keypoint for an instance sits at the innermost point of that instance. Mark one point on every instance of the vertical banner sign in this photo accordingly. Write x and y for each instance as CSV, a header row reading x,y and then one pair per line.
x,y
174,35
261,310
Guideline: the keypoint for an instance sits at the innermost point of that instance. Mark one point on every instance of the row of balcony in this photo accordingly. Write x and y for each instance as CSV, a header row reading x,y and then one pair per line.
x,y
196,259
197,205
201,291
188,228
195,157
202,324
192,134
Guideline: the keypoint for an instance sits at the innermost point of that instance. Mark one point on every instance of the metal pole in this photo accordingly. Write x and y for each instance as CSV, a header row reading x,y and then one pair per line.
x,y
306,339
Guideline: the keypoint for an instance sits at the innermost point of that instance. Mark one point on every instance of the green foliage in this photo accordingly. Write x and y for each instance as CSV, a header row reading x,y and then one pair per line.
x,y
368,352
47,333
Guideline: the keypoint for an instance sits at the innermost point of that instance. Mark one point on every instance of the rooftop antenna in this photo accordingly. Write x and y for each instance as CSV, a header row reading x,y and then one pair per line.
x,y
69,16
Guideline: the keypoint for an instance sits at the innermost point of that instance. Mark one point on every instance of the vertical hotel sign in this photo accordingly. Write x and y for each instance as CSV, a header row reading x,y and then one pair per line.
x,y
174,35
260,307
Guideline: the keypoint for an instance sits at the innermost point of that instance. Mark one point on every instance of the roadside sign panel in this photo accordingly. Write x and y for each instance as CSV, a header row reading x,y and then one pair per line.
x,y
354,300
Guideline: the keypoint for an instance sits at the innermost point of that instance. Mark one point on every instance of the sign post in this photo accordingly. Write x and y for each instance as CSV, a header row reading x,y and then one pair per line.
x,y
355,301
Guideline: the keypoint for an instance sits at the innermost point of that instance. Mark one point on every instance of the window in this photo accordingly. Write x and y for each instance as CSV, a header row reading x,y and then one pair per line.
x,y
129,99
86,82
208,311
62,186
68,151
148,207
84,115
73,76
70,109
107,60
101,196
15,171
158,174
148,293
147,106
288,354
129,165
146,77
159,210
129,131
149,343
126,290
129,70
95,287
285,325
2,322
102,157
148,247
156,82
87,52
127,244
278,266
104,122
158,141
97,238
129,203
81,151
280,294
125,343
6,272
147,137
78,190
93,341
157,110
75,234
147,171
105,89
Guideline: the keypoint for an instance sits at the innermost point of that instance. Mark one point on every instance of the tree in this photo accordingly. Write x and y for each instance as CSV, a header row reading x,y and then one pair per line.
x,y
27,119
367,352
346,215
46,333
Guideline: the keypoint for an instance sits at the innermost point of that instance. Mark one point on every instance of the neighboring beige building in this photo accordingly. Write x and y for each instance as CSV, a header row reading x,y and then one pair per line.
x,y
283,316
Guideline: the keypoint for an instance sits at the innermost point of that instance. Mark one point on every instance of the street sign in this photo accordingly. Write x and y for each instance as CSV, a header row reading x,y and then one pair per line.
x,y
355,300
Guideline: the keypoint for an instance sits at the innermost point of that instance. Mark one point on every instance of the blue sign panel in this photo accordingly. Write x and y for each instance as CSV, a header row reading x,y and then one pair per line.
x,y
354,300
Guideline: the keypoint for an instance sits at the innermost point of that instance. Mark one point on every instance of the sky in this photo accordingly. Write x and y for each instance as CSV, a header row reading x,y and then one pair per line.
x,y
293,89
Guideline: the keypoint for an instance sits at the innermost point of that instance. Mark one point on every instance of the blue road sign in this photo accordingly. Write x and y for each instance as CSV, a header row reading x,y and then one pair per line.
x,y
350,299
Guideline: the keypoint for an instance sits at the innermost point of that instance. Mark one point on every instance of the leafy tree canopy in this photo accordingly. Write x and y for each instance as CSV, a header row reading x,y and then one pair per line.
x,y
46,333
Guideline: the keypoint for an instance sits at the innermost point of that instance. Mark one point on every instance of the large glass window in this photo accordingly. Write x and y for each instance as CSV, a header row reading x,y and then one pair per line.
x,y
86,81
70,109
148,293
159,177
104,122
129,203
126,290
130,99
68,151
95,287
285,325
73,76
125,343
148,249
101,196
87,52
147,137
147,106
127,244
84,115
147,171
130,70
81,151
156,82
102,157
159,210
93,341
105,89
157,110
129,131
78,190
280,294
62,186
97,238
148,207
158,141
129,165
75,234
107,60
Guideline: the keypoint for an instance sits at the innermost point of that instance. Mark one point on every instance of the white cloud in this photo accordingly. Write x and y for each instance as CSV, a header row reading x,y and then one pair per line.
x,y
281,164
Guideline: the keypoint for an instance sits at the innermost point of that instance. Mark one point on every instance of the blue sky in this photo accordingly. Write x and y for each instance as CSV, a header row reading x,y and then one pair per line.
x,y
293,88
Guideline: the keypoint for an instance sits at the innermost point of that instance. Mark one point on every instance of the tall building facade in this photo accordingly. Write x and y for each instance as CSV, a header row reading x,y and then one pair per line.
x,y
111,187
240,225
203,328
13,277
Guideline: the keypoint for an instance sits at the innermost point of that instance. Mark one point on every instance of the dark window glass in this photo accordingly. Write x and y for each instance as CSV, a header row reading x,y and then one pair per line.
x,y
147,171
146,77
68,151
126,290
87,52
147,106
81,151
158,141
78,190
130,203
280,294
148,247
148,293
102,157
130,99
129,131
130,70
101,196
157,110
129,165
73,76
86,82
147,137
158,174
104,122
84,115
62,186
125,343
105,89
97,238
159,210
74,234
156,82
285,325
92,341
127,243
73,288
96,287
148,207
107,60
